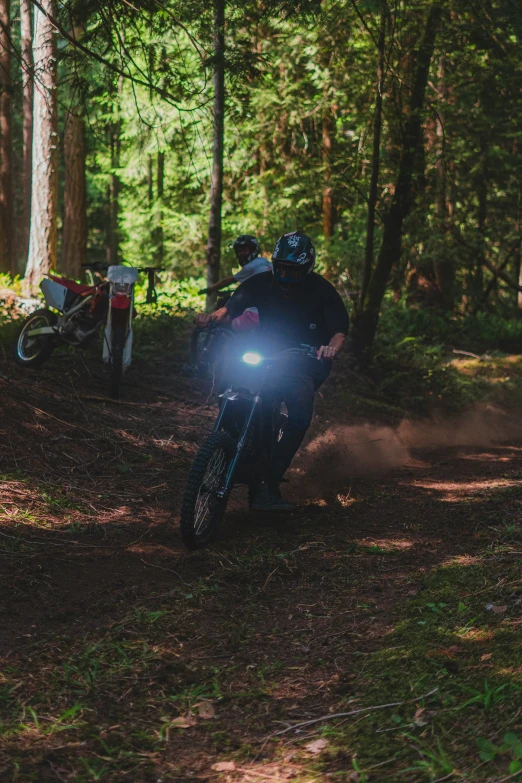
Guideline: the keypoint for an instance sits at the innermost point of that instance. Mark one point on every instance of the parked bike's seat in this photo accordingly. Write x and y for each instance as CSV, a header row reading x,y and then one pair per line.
x,y
76,288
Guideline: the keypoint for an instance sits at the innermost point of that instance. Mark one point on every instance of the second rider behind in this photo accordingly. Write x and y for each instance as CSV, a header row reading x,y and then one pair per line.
x,y
247,250
296,306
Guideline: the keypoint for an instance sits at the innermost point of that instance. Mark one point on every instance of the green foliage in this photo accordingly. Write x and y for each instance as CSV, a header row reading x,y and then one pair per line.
x,y
476,333
511,745
174,295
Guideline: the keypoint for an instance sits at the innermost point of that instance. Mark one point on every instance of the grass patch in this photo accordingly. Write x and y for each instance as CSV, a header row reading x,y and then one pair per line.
x,y
460,635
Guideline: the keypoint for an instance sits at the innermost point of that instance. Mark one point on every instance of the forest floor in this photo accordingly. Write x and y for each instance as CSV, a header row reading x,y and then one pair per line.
x,y
393,595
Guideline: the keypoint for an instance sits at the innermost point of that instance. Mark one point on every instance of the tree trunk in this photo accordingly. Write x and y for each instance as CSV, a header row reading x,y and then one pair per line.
x,y
114,194
482,214
27,125
328,199
158,238
44,184
519,254
74,247
519,296
7,255
443,266
216,197
366,322
376,154
150,182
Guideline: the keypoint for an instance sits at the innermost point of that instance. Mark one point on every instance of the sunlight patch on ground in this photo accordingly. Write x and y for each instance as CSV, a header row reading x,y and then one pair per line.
x,y
475,634
260,772
346,500
389,544
461,560
488,456
454,489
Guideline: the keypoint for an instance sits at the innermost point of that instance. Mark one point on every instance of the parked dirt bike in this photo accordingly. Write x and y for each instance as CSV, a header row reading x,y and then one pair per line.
x,y
249,424
74,316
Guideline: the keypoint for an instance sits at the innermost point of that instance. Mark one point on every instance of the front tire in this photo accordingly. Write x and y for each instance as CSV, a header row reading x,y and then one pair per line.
x,y
202,510
34,351
117,349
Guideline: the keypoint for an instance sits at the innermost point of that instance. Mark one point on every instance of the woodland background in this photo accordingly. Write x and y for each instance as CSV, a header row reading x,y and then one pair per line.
x,y
389,132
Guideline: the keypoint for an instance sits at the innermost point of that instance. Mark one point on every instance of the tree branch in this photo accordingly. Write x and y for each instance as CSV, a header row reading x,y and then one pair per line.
x,y
165,94
503,275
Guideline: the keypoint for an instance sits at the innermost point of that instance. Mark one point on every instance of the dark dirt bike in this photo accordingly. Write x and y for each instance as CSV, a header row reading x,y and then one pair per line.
x,y
74,316
250,422
205,344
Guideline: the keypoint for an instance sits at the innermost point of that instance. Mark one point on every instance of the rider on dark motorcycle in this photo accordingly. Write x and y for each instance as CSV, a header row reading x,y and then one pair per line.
x,y
296,306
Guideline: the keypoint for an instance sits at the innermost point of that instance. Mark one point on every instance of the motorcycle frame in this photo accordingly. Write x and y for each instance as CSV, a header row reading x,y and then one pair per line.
x,y
63,318
253,417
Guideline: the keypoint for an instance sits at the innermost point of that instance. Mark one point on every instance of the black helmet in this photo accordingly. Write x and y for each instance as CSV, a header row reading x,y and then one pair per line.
x,y
250,242
293,258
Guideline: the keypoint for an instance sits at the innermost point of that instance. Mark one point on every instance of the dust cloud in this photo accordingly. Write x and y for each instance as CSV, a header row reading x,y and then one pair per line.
x,y
360,450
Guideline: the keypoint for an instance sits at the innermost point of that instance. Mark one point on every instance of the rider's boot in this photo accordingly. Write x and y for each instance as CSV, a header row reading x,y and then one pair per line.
x,y
268,498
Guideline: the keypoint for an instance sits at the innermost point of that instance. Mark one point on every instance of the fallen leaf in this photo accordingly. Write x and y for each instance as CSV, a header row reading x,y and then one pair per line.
x,y
317,746
486,656
206,710
444,652
495,608
184,722
417,718
224,766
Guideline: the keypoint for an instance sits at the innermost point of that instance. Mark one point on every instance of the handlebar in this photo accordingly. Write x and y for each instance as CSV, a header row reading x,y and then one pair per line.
x,y
304,350
226,290
96,266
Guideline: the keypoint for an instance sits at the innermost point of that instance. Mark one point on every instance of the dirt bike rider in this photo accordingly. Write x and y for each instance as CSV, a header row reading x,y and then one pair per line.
x,y
296,306
249,258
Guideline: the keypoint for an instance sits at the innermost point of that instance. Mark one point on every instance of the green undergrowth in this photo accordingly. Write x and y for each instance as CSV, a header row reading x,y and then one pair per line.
x,y
454,662
421,362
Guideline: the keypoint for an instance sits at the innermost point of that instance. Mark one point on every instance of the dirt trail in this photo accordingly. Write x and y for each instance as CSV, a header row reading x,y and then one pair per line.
x,y
270,625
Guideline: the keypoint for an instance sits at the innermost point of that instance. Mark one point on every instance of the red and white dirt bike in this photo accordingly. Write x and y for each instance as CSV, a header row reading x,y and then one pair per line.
x,y
74,315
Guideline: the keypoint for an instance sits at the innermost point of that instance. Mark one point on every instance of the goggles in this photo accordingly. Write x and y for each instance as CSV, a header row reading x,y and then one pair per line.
x,y
288,272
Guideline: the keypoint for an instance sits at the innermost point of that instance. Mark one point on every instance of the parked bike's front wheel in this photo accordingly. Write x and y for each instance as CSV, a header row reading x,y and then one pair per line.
x,y
34,350
119,335
202,509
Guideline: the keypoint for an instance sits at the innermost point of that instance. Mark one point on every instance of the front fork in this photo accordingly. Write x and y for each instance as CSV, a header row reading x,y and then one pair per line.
x,y
119,317
224,491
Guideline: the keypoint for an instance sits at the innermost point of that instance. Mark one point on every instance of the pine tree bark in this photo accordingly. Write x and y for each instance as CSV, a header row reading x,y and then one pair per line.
x,y
7,255
74,243
44,184
376,160
74,246
518,225
443,267
328,195
390,252
216,196
113,191
158,238
113,255
27,125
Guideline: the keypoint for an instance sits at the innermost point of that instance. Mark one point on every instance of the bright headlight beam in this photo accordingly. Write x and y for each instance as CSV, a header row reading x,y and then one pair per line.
x,y
252,358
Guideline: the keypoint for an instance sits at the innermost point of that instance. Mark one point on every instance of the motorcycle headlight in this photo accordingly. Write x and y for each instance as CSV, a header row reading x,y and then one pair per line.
x,y
122,288
252,358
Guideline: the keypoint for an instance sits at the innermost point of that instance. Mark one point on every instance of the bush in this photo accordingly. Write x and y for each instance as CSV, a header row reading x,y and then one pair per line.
x,y
476,333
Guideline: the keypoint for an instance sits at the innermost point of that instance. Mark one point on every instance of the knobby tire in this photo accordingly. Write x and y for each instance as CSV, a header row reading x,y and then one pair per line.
x,y
196,533
117,348
46,342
